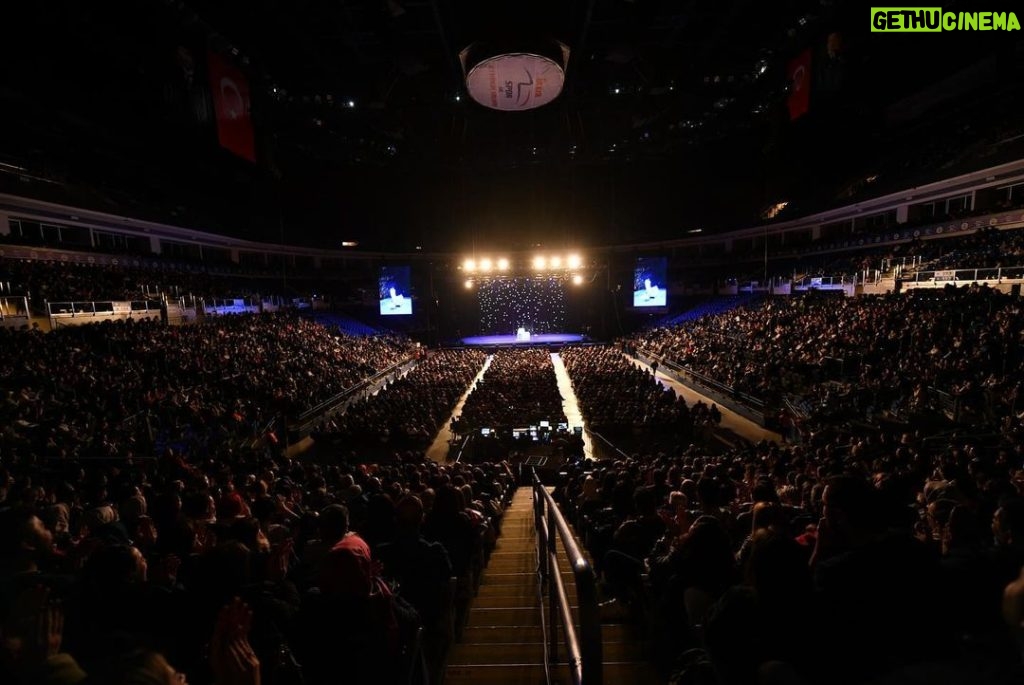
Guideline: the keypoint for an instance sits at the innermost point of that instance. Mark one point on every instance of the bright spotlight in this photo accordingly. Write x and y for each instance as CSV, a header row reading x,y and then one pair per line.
x,y
574,261
539,262
485,264
502,264
556,262
577,279
468,284
469,265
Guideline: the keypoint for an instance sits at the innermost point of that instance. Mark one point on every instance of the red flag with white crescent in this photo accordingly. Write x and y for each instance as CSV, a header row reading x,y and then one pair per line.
x,y
799,74
230,91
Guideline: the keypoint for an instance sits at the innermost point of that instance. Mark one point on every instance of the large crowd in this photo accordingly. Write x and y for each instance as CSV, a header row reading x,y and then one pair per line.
x,y
622,401
119,390
406,414
518,389
144,533
985,248
238,569
884,559
150,278
869,357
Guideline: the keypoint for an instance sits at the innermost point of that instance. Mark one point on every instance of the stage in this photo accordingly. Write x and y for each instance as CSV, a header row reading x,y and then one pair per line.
x,y
513,339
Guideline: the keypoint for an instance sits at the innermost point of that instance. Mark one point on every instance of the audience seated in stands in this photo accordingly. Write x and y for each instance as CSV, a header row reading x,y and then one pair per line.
x,y
407,413
519,389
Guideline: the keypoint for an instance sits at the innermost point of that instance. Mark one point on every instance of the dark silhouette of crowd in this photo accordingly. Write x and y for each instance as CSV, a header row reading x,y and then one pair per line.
x,y
407,413
134,279
238,567
623,402
518,389
152,525
982,249
118,390
867,358
882,559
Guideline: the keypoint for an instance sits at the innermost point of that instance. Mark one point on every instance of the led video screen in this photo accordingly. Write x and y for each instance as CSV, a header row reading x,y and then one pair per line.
x,y
650,282
395,293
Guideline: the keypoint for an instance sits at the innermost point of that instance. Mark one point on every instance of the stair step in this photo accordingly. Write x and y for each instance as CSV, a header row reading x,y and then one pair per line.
x,y
511,553
493,653
524,593
633,672
492,577
530,652
502,674
519,616
501,634
512,564
483,601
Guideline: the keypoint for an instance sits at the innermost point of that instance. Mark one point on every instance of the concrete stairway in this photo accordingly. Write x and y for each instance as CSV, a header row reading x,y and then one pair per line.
x,y
502,641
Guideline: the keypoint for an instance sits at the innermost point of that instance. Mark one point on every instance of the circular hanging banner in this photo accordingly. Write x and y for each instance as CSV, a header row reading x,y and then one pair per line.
x,y
515,82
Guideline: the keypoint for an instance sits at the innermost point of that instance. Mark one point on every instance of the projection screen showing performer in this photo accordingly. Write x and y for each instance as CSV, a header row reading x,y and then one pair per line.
x,y
650,283
395,295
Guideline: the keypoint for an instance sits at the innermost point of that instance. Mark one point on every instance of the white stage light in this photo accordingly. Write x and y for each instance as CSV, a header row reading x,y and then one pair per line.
x,y
502,264
574,261
577,280
485,264
469,265
539,262
556,262
468,284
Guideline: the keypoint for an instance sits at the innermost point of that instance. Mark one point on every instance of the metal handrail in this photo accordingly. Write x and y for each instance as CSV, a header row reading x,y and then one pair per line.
x,y
313,413
462,450
608,444
582,644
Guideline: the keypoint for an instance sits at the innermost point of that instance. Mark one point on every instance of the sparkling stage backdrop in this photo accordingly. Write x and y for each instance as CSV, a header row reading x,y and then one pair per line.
x,y
536,304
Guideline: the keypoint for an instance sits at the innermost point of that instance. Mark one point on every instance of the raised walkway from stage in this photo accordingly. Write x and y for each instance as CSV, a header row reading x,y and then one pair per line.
x,y
438,450
570,405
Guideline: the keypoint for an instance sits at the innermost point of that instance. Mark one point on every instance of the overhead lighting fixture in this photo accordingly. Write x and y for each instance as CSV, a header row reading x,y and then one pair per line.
x,y
349,243
468,284
351,104
503,264
539,262
577,279
469,265
574,261
556,262
486,264
695,230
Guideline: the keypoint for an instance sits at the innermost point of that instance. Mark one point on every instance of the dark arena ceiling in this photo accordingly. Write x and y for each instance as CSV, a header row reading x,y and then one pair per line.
x,y
674,116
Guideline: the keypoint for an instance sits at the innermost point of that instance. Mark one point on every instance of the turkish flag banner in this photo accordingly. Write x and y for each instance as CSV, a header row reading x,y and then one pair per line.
x,y
799,74
230,91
